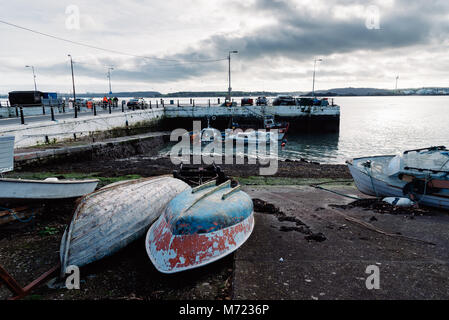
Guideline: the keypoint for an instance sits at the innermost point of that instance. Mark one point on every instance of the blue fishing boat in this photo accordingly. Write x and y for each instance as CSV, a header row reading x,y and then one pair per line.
x,y
200,226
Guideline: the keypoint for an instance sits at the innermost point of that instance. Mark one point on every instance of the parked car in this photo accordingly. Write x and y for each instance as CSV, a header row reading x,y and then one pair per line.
x,y
229,104
247,102
136,103
284,101
262,101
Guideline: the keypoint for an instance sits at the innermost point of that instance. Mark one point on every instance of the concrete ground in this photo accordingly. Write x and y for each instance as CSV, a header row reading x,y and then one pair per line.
x,y
58,116
276,263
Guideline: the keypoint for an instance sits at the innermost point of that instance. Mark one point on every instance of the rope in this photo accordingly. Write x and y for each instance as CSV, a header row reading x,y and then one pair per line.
x,y
338,193
374,229
12,213
370,174
317,186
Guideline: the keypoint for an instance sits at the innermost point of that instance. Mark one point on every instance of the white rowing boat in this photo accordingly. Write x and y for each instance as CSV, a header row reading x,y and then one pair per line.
x,y
26,189
50,188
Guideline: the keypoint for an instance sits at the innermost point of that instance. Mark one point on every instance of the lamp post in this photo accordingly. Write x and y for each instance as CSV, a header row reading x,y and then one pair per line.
x,y
314,68
34,76
396,87
229,70
73,84
109,77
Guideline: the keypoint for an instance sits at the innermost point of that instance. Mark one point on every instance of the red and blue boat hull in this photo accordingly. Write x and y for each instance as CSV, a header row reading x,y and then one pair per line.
x,y
174,253
200,226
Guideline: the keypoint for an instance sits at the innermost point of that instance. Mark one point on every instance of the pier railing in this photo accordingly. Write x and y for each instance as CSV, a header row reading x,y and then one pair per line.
x,y
50,109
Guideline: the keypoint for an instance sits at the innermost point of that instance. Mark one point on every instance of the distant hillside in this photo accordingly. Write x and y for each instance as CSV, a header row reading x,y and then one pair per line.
x,y
329,93
354,92
140,94
204,94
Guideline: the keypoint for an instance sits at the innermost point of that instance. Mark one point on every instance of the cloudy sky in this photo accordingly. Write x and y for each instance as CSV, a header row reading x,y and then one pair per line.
x,y
174,45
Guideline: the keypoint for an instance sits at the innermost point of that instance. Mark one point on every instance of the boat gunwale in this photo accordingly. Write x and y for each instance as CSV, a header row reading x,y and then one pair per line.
x,y
14,180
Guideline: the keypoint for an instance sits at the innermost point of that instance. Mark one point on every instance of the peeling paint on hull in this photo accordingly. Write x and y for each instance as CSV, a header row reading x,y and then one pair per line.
x,y
200,226
174,253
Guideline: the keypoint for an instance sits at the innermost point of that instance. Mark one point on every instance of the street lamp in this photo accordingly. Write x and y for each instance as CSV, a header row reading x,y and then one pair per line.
x,y
34,76
109,77
73,84
229,60
314,67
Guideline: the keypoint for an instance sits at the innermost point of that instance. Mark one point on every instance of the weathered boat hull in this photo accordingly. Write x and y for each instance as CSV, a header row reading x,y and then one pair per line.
x,y
175,253
200,226
12,189
373,186
111,218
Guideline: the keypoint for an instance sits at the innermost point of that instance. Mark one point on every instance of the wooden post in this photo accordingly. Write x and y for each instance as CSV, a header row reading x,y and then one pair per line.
x,y
52,114
22,118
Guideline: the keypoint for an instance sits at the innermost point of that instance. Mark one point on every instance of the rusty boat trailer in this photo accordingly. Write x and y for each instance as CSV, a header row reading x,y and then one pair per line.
x,y
16,288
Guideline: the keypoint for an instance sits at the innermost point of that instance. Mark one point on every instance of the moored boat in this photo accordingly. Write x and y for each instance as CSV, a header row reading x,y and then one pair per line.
x,y
200,226
259,136
422,175
109,219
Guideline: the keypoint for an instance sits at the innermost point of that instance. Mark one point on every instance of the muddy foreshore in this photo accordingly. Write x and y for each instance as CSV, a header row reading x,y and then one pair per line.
x,y
28,249
151,166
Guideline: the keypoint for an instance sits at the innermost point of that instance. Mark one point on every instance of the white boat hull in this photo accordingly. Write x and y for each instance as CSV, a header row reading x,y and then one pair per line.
x,y
111,218
41,190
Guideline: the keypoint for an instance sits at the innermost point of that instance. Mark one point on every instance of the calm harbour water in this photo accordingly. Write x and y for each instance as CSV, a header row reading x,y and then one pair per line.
x,y
374,126
370,126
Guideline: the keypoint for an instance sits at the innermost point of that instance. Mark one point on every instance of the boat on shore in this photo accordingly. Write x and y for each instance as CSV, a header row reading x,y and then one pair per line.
x,y
421,174
199,226
48,189
27,189
109,219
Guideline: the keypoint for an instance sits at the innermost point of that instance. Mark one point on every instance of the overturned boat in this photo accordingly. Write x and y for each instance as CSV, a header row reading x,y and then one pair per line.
x,y
109,219
200,226
421,174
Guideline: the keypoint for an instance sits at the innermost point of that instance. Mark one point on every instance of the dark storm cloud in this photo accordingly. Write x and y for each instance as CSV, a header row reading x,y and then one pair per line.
x,y
299,34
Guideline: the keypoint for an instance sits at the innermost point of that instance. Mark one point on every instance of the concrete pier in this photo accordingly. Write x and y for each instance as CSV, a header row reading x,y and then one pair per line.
x,y
46,129
301,118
